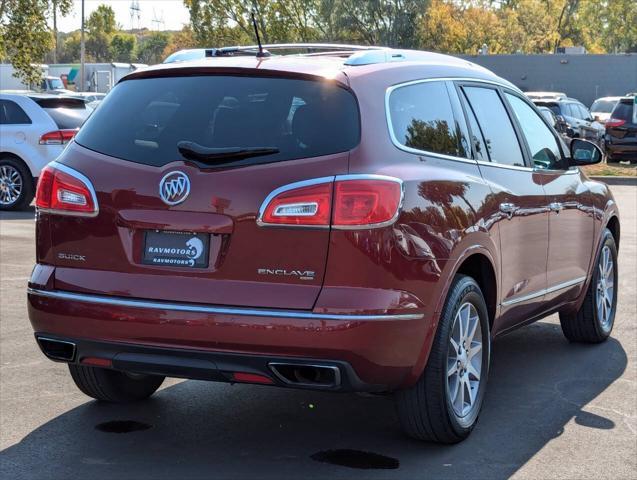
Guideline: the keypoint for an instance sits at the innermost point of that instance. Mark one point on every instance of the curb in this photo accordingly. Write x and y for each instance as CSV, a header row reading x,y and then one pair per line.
x,y
611,180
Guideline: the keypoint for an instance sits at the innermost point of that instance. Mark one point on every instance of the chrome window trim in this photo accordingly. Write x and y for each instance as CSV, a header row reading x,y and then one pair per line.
x,y
81,177
335,178
196,308
390,124
544,291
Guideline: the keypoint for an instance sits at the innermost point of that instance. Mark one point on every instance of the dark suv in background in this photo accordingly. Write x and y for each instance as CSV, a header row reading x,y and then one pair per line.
x,y
621,132
363,220
574,117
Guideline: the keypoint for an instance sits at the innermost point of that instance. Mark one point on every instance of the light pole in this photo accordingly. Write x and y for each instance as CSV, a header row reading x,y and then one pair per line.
x,y
81,82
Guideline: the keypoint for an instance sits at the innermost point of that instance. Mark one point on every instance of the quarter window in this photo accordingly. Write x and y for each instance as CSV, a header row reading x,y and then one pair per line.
x,y
12,114
495,124
544,148
422,118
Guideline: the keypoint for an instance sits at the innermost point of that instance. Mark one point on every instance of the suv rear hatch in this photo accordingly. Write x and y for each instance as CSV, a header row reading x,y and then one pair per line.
x,y
186,137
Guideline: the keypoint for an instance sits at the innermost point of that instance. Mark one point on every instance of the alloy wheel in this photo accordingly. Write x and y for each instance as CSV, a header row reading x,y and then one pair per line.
x,y
605,292
464,360
10,185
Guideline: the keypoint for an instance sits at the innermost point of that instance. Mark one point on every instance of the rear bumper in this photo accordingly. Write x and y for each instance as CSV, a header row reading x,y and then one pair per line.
x,y
371,352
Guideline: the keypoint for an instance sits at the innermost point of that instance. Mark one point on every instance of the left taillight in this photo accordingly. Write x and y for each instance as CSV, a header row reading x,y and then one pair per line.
x,y
341,202
65,191
58,137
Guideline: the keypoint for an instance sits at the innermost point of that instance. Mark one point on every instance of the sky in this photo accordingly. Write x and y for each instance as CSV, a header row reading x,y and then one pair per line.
x,y
173,12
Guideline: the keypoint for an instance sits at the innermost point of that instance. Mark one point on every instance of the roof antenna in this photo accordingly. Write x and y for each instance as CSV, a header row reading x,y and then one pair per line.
x,y
261,53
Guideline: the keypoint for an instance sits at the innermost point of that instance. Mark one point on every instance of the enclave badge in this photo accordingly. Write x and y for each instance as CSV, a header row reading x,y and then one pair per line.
x,y
174,188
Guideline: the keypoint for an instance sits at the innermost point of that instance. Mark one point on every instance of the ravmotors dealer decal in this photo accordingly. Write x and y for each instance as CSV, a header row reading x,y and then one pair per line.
x,y
177,249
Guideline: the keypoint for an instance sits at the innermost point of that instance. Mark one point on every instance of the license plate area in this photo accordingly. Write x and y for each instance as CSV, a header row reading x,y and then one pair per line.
x,y
166,248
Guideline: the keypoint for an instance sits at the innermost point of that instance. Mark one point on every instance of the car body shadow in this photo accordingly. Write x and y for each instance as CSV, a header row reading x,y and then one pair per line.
x,y
538,383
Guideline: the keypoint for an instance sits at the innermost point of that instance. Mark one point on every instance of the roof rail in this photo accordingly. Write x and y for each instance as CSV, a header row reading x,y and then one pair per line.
x,y
252,49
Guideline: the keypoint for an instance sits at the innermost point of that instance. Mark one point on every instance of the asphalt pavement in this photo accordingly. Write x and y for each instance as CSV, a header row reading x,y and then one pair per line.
x,y
552,409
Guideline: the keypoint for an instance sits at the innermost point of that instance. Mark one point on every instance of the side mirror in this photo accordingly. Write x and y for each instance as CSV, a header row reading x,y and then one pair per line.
x,y
584,152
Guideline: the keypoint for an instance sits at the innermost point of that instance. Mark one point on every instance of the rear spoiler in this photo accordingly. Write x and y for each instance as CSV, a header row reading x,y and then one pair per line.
x,y
59,102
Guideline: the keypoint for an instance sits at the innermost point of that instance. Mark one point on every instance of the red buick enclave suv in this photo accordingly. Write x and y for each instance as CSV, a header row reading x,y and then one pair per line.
x,y
348,219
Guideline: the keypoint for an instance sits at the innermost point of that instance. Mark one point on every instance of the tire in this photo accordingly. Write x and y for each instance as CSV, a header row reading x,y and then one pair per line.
x,y
610,159
14,174
426,411
114,386
590,324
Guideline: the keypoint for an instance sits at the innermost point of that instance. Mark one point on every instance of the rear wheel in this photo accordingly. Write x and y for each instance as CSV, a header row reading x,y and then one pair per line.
x,y
593,322
114,386
443,406
16,184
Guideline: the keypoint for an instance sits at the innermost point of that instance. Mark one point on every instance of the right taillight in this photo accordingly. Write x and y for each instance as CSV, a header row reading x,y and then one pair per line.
x,y
614,122
342,202
65,191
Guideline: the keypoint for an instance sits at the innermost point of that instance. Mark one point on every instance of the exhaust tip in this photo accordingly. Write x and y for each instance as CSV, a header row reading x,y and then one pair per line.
x,y
57,349
304,375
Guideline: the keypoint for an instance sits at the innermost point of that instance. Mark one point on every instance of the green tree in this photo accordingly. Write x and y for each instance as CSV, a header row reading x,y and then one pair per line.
x,y
122,47
100,27
151,49
25,36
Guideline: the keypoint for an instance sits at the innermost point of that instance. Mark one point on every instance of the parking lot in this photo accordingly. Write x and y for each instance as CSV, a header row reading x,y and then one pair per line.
x,y
553,410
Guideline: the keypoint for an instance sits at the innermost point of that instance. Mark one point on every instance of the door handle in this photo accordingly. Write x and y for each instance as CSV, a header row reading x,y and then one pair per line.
x,y
508,208
556,206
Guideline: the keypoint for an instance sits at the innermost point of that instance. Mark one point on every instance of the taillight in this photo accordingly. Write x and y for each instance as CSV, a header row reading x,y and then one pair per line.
x,y
65,191
615,122
303,203
58,137
365,202
343,202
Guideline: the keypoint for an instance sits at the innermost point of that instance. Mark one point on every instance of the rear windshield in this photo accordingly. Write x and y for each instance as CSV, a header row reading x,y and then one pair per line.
x,y
624,110
70,118
603,106
552,106
143,120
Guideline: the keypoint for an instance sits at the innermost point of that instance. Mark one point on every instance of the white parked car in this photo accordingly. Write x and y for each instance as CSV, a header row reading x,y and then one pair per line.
x,y
603,107
34,129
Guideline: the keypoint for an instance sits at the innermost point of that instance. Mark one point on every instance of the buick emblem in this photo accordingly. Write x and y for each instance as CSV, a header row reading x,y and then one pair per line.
x,y
174,188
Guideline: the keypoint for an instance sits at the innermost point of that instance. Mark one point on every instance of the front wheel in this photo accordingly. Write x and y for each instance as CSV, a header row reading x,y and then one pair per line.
x,y
593,322
112,385
443,406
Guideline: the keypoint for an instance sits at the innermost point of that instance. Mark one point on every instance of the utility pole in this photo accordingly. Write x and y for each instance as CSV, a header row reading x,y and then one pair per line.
x,y
55,31
81,83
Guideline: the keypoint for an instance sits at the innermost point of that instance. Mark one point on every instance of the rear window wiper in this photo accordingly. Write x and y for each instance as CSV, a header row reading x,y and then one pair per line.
x,y
194,151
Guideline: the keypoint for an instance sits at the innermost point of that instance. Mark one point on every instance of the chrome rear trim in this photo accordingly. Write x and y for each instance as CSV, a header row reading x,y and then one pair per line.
x,y
197,308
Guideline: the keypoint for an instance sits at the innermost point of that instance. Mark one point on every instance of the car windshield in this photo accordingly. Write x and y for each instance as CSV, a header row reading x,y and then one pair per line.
x,y
603,106
155,121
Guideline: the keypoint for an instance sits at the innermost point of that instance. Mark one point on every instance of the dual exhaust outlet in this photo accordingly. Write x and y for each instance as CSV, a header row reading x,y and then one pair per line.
x,y
293,374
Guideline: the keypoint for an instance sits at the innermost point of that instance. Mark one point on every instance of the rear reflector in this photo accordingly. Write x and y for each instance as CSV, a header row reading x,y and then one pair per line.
x,y
65,191
344,201
97,362
243,377
58,137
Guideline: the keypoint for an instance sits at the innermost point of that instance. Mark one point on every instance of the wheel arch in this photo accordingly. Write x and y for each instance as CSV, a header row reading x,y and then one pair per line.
x,y
478,263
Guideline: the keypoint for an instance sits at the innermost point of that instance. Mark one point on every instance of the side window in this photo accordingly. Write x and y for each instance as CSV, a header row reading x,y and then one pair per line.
x,y
569,110
542,143
12,114
495,124
584,113
422,117
477,138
